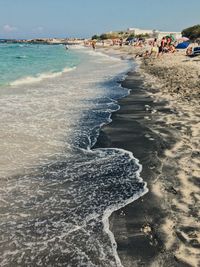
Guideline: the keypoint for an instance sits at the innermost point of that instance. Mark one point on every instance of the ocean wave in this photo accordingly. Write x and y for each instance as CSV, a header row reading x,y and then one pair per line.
x,y
108,212
40,77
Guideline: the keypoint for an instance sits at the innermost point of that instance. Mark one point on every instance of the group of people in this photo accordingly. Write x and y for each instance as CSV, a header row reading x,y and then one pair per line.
x,y
157,48
166,45
90,43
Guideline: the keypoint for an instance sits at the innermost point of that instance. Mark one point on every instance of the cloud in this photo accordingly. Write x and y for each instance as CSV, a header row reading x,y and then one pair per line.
x,y
8,28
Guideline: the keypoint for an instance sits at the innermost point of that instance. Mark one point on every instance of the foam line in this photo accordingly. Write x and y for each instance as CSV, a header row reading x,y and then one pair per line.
x,y
39,78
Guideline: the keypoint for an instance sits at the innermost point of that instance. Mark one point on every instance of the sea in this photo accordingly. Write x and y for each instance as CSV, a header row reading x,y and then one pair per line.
x,y
57,192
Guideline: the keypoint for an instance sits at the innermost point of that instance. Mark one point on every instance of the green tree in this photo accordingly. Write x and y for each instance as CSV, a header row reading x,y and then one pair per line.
x,y
105,36
192,32
132,35
143,35
95,37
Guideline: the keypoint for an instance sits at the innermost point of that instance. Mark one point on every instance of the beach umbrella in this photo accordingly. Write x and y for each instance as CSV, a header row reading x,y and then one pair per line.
x,y
183,39
173,37
183,45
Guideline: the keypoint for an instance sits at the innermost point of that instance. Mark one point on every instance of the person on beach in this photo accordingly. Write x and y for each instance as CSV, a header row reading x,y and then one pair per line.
x,y
172,49
154,42
189,51
146,54
93,45
143,54
162,45
169,41
154,51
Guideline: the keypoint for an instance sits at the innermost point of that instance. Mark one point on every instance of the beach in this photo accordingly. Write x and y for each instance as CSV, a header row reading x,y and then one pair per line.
x,y
159,123
99,167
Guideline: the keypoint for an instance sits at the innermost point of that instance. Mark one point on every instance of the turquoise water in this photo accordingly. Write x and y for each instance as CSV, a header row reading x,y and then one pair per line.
x,y
18,61
57,192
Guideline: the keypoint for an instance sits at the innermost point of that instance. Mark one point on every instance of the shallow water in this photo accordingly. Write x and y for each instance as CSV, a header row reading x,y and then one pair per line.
x,y
26,61
57,193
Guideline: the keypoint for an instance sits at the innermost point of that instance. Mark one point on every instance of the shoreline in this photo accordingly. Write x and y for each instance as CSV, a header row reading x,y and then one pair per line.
x,y
147,231
113,135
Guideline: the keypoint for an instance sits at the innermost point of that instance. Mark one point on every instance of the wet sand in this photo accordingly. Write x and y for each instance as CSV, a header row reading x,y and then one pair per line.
x,y
146,231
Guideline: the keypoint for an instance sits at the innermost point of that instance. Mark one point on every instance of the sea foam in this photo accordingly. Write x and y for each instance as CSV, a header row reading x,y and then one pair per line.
x,y
57,192
40,77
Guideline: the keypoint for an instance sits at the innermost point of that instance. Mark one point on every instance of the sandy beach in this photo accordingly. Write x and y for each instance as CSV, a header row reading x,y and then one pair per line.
x,y
61,200
159,123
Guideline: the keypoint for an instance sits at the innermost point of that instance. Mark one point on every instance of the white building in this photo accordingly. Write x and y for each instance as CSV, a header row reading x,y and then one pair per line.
x,y
153,33
138,31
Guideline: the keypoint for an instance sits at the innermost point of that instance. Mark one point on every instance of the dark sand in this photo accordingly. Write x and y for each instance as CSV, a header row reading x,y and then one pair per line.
x,y
137,226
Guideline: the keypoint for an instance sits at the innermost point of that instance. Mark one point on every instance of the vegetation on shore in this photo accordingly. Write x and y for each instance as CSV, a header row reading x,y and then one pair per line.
x,y
118,35
192,32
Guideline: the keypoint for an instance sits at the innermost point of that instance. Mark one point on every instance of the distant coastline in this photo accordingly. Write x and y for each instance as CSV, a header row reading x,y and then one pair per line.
x,y
65,41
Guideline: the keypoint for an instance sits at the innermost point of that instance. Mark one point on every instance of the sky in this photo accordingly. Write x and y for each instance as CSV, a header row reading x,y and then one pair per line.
x,y
83,18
